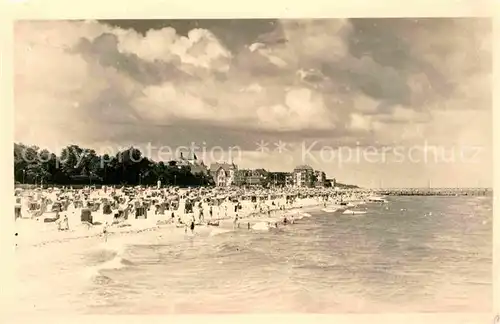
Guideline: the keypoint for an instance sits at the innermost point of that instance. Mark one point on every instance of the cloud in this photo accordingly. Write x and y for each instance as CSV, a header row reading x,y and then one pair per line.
x,y
303,109
308,42
337,81
200,49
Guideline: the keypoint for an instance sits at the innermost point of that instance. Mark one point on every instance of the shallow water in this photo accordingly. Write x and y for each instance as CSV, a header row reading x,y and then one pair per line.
x,y
415,254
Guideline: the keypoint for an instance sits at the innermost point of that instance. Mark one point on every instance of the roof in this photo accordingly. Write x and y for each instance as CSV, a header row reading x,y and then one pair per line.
x,y
303,167
225,166
190,156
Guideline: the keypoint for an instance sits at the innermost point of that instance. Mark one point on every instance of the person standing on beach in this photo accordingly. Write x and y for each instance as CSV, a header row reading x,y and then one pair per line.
x,y
65,222
62,224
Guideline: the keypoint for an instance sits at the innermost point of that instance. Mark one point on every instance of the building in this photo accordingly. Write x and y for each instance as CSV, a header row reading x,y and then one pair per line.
x,y
196,166
224,174
303,176
331,183
247,177
319,178
257,177
240,177
278,179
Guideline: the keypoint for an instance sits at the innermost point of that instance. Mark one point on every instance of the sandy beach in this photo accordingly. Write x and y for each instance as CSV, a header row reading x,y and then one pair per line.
x,y
32,233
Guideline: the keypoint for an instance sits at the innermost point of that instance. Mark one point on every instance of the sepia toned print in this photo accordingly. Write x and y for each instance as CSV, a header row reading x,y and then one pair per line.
x,y
253,166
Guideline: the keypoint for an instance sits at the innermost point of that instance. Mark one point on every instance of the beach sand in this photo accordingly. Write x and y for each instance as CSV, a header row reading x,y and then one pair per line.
x,y
32,233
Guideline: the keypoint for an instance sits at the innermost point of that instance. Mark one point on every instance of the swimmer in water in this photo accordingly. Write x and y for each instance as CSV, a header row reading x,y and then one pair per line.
x,y
105,232
235,221
192,226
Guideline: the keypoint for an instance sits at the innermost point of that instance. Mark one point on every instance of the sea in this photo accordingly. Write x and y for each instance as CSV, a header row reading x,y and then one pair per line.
x,y
412,254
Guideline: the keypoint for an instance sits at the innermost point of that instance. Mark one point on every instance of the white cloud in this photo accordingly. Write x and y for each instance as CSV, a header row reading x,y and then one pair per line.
x,y
303,109
405,114
254,87
200,48
314,40
365,104
49,80
361,122
255,46
167,101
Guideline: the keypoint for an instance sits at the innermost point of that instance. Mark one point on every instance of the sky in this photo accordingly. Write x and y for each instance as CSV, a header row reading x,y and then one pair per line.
x,y
383,102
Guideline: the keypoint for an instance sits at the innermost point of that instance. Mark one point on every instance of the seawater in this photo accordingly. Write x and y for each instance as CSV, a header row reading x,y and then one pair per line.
x,y
414,254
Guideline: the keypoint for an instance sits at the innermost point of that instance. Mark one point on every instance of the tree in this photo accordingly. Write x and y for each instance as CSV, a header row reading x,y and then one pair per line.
x,y
77,165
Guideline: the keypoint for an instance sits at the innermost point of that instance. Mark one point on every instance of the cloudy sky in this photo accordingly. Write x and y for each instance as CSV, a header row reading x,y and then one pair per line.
x,y
375,102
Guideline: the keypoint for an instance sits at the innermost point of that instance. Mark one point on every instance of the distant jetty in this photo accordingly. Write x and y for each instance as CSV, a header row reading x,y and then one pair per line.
x,y
448,192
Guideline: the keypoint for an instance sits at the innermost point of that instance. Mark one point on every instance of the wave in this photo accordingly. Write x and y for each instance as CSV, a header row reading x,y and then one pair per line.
x,y
114,246
354,212
95,272
229,248
115,262
319,266
297,216
218,231
261,226
100,279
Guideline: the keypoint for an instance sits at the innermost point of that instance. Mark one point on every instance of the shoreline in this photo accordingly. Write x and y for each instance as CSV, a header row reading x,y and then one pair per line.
x,y
145,225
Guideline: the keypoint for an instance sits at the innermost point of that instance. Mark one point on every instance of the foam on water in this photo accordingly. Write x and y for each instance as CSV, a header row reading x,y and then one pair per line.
x,y
117,261
219,231
354,212
261,226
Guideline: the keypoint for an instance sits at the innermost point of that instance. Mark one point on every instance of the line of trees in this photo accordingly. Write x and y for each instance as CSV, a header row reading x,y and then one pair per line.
x,y
76,165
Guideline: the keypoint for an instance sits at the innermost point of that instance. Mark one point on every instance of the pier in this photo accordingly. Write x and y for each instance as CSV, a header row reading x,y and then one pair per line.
x,y
448,192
